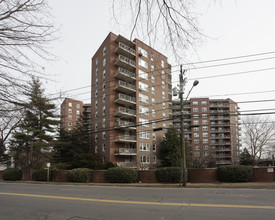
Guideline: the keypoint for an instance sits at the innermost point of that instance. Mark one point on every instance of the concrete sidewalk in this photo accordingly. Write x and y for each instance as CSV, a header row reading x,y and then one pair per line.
x,y
250,185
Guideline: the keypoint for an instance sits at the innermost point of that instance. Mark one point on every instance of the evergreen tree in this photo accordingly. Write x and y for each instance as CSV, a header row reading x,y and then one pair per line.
x,y
32,140
170,149
246,158
73,149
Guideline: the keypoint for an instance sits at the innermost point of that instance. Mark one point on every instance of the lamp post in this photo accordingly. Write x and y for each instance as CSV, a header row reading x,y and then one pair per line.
x,y
183,176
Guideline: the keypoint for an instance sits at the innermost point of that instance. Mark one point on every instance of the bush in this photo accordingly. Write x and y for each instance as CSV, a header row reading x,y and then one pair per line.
x,y
121,175
168,174
41,175
81,175
12,174
235,173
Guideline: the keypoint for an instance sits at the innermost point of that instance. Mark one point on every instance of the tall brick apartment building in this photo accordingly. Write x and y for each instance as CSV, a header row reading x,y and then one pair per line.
x,y
131,84
211,128
71,110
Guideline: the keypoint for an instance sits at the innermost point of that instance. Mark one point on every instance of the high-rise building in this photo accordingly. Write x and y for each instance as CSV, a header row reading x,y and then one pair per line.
x,y
131,84
211,128
70,112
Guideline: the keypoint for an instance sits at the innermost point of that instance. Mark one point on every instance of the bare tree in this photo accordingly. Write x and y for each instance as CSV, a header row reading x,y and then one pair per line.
x,y
170,22
257,133
25,31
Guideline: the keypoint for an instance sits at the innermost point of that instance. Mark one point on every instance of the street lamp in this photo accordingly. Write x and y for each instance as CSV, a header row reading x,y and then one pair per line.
x,y
180,91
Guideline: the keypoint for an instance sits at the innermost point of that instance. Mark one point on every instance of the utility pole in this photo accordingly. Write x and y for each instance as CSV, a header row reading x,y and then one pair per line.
x,y
183,177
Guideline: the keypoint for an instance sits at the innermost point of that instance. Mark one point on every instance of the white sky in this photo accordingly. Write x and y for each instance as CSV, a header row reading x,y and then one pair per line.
x,y
235,28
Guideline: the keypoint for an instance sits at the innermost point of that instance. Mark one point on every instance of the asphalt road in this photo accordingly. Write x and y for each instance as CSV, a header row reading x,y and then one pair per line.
x,y
75,202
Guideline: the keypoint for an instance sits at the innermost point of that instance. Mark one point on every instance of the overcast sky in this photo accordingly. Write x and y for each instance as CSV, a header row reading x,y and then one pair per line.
x,y
234,28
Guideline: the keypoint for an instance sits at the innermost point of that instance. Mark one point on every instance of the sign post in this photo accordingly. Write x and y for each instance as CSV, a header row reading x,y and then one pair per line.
x,y
48,171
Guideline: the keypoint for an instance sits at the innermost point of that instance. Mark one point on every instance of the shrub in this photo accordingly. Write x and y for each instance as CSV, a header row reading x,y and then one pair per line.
x,y
81,175
168,174
12,174
108,165
121,175
41,175
235,173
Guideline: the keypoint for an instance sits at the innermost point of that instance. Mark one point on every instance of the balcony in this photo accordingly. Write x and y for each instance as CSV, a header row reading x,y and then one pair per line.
x,y
126,63
125,50
220,143
125,87
125,112
125,151
125,75
125,99
127,164
220,136
126,138
123,124
222,149
223,162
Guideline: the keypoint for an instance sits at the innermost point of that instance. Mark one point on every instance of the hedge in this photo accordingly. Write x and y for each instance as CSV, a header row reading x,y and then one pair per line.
x,y
121,175
41,175
235,173
12,174
82,175
168,174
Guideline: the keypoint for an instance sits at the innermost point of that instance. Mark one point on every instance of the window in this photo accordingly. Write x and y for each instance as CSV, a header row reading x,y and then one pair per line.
x,y
95,126
104,50
143,98
195,103
154,159
144,135
145,159
96,92
153,101
144,147
77,105
195,109
162,74
96,71
152,67
204,102
205,141
204,115
205,153
205,134
163,84
162,63
152,79
197,147
142,74
204,122
103,98
104,73
103,148
163,94
152,57
104,86
164,126
144,122
143,110
196,154
196,141
143,86
153,90
204,128
205,147
196,135
196,122
77,112
96,61
142,63
96,149
96,138
143,52
154,137
103,135
204,109
153,124
103,110
104,62
70,117
70,123
163,105
154,147
164,115
103,122
70,104
153,112
196,129
195,116
70,110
